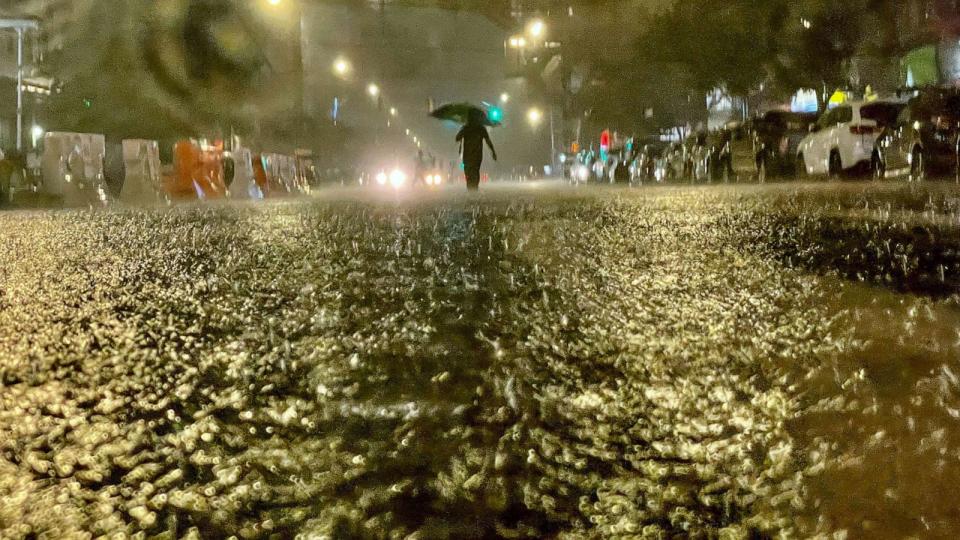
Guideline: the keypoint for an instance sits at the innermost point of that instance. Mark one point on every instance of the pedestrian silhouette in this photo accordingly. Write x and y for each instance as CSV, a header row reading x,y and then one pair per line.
x,y
471,139
419,168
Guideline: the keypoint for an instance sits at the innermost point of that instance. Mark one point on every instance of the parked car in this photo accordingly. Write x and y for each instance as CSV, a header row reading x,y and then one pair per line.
x,y
713,156
699,158
620,173
924,140
684,158
843,138
674,162
740,152
12,175
649,164
776,138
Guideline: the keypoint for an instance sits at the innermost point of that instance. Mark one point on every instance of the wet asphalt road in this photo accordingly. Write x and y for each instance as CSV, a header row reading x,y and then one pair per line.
x,y
535,361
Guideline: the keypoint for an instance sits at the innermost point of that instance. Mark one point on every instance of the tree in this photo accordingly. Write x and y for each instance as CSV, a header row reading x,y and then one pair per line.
x,y
720,43
642,97
739,44
818,45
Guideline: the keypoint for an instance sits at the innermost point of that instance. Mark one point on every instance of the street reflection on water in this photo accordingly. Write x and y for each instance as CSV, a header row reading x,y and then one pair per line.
x,y
521,364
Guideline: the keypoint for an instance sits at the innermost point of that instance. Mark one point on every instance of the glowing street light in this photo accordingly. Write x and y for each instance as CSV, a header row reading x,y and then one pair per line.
x,y
373,90
534,116
36,133
537,28
341,66
407,131
504,97
393,111
274,2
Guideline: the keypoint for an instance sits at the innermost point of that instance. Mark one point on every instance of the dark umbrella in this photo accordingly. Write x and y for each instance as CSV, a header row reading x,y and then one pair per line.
x,y
461,113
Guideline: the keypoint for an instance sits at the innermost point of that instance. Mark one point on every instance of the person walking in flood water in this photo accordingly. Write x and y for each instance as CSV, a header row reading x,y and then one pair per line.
x,y
471,139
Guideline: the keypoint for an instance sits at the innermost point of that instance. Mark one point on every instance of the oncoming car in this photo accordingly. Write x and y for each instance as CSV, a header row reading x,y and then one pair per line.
x,y
395,178
433,179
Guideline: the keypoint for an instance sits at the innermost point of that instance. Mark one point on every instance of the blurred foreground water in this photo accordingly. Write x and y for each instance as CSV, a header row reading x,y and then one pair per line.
x,y
530,363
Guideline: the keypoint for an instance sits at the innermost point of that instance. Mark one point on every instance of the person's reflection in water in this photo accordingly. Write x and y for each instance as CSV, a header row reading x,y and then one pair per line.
x,y
471,139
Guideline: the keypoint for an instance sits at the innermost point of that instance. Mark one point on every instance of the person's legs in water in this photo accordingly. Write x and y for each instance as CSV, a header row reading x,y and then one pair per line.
x,y
472,172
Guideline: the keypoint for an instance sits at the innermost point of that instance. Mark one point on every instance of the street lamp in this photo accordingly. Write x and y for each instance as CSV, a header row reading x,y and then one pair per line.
x,y
37,133
534,116
341,66
274,2
537,28
373,90
504,97
393,111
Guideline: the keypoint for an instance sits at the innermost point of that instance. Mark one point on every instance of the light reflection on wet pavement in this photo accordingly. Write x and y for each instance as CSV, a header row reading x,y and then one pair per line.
x,y
685,362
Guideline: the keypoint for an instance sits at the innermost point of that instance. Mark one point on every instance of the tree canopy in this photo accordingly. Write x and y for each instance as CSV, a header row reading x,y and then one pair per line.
x,y
740,44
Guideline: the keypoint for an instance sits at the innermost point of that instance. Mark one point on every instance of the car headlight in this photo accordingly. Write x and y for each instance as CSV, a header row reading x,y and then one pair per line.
x,y
382,178
397,178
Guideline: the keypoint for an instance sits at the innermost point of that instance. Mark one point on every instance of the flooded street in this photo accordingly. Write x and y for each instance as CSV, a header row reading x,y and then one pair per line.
x,y
530,362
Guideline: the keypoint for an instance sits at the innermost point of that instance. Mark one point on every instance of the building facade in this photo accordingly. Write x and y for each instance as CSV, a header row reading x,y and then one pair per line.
x,y
928,40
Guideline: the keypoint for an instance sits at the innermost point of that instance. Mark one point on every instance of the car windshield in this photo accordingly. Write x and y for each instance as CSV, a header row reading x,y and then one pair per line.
x,y
948,105
786,121
952,105
884,114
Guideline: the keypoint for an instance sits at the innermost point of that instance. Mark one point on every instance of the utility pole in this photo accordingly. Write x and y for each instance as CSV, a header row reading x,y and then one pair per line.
x,y
553,143
19,89
20,26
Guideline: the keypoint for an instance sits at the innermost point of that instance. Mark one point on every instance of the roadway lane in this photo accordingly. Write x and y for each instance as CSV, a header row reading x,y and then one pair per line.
x,y
529,362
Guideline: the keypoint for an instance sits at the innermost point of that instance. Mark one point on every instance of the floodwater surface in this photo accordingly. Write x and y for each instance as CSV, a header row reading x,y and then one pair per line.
x,y
526,363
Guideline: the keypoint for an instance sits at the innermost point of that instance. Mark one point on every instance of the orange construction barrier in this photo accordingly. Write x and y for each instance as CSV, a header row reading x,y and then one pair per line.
x,y
260,175
198,171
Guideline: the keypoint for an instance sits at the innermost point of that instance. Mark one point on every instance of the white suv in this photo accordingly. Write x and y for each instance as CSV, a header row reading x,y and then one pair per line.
x,y
843,138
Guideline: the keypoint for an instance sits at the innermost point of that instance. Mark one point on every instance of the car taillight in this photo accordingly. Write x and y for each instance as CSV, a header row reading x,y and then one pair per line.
x,y
862,130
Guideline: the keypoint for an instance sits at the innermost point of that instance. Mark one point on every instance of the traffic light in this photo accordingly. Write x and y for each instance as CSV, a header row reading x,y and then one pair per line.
x,y
495,114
